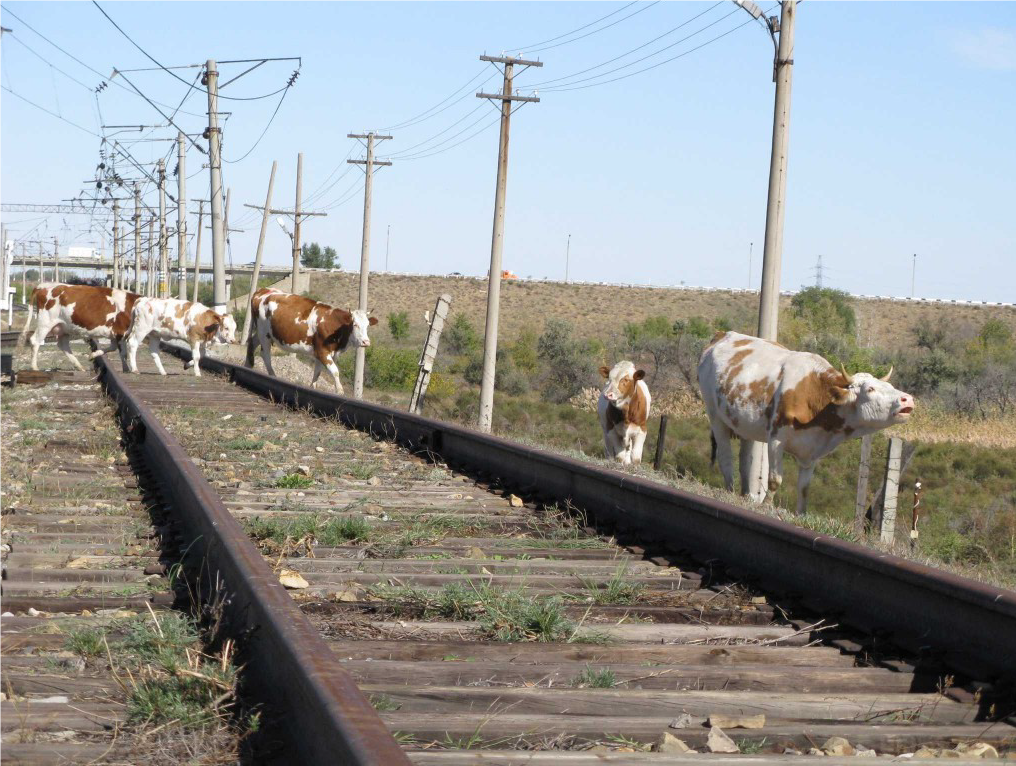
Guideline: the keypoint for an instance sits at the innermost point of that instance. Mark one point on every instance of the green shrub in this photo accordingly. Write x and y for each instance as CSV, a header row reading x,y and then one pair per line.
x,y
523,352
398,325
390,369
567,365
461,336
507,377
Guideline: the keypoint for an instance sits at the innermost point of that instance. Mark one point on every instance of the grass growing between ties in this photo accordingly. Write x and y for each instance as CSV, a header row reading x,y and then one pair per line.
x,y
294,481
618,590
503,614
595,678
243,444
327,532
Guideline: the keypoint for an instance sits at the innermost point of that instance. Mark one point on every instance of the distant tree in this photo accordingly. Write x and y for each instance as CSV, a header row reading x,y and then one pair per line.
x,y
398,324
313,256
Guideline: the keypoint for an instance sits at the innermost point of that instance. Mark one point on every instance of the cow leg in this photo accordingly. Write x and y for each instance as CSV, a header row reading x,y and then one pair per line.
x,y
132,342
638,440
724,454
804,473
153,348
333,370
776,446
42,328
64,344
266,349
744,464
252,343
196,358
122,347
97,351
615,448
317,373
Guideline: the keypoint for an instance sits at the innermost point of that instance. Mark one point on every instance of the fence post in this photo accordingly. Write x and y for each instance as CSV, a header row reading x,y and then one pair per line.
x,y
660,442
429,352
862,485
892,487
917,514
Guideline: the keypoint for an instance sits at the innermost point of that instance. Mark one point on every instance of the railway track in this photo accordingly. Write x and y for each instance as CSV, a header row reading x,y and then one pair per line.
x,y
81,559
500,611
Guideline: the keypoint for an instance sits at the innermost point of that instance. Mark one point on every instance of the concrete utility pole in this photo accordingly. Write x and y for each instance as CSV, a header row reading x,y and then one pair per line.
x,y
769,301
248,321
163,239
567,258
42,277
56,259
150,284
117,270
181,217
214,135
368,187
197,251
137,239
497,239
913,276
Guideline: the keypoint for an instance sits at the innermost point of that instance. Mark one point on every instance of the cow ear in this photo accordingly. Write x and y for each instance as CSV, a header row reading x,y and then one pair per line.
x,y
372,321
840,395
212,329
639,374
605,371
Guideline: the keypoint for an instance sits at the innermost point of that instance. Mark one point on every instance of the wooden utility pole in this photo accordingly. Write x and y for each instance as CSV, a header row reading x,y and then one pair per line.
x,y
887,531
197,250
214,135
506,98
163,239
298,216
137,239
248,321
769,301
429,353
861,503
181,217
116,240
368,187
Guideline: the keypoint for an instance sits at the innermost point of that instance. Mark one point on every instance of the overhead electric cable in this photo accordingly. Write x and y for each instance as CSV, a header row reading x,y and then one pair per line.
x,y
421,116
270,121
645,7
457,143
47,111
529,48
421,143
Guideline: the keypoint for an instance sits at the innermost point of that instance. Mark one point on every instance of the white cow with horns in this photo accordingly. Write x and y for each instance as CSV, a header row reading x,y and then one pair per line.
x,y
793,401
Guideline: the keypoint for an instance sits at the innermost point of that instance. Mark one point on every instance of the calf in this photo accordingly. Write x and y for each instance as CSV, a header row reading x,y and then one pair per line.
x,y
793,401
158,319
623,409
306,326
99,314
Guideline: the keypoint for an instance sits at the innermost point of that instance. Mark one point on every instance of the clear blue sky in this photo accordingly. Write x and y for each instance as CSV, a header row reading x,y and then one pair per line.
x,y
902,134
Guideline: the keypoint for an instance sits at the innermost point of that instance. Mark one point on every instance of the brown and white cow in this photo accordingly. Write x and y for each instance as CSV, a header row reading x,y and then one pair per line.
x,y
305,326
623,408
158,319
98,314
793,401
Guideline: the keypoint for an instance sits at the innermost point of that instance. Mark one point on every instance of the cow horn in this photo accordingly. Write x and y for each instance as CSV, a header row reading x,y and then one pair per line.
x,y
885,378
843,370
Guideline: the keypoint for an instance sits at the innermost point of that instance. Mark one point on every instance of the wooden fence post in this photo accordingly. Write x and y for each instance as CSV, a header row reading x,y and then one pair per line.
x,y
862,485
429,352
892,487
917,514
660,443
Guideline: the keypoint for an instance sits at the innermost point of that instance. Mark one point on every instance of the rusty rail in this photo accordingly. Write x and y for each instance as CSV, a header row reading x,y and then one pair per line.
x,y
286,659
970,626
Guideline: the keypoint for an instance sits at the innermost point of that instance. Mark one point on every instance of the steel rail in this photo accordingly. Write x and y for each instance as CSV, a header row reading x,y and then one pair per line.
x,y
284,655
969,626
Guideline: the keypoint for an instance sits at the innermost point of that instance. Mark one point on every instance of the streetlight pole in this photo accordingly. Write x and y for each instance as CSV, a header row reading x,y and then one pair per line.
x,y
567,257
913,276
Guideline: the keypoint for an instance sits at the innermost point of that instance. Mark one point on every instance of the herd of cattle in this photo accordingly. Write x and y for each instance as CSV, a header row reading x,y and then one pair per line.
x,y
756,390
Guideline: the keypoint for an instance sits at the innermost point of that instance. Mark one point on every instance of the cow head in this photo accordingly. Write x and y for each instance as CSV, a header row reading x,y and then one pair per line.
x,y
876,401
361,322
621,381
222,330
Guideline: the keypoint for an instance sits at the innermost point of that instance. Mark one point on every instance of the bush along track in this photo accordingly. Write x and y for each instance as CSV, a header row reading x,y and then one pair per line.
x,y
477,615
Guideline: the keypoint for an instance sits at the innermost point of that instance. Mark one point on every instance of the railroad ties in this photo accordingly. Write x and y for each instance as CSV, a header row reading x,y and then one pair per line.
x,y
81,561
479,624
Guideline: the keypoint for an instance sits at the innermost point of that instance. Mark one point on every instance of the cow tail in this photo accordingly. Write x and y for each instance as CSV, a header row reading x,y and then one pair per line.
x,y
28,323
712,452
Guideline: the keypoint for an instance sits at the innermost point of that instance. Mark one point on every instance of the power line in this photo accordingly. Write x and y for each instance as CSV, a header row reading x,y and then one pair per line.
x,y
644,7
169,71
50,64
164,115
530,48
79,61
489,125
427,152
633,50
270,121
421,118
409,149
574,86
47,111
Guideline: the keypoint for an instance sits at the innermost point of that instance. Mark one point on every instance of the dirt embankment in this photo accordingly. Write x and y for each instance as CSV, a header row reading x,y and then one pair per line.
x,y
597,311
